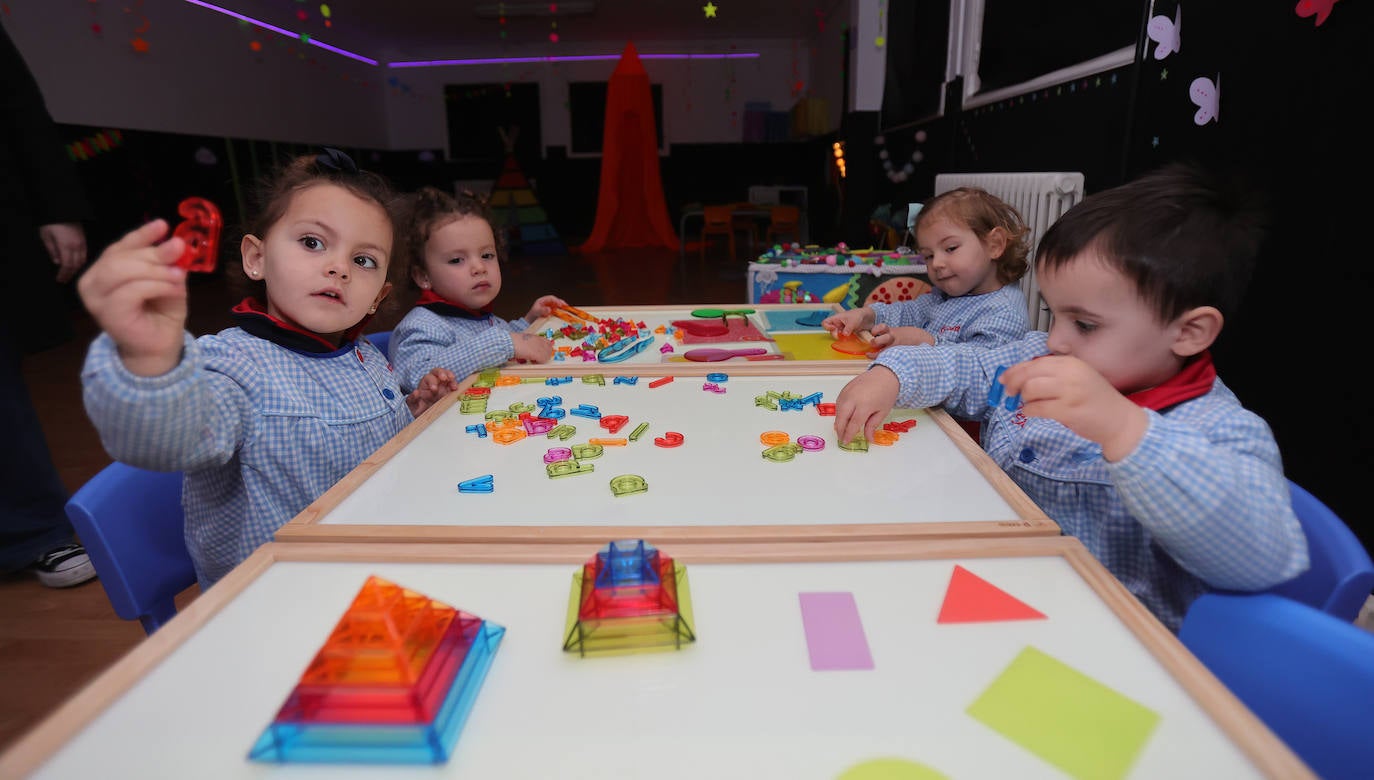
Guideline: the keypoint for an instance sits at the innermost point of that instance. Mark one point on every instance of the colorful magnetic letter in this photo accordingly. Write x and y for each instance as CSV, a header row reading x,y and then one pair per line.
x,y
481,484
628,485
669,439
997,390
200,230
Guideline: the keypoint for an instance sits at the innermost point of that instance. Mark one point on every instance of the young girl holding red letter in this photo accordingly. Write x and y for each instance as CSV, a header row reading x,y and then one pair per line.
x,y
263,418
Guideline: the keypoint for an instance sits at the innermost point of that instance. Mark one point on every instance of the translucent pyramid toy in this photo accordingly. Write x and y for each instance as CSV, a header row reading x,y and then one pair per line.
x,y
630,598
393,684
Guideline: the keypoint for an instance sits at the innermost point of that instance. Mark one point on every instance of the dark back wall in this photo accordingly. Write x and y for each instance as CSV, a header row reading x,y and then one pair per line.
x,y
147,174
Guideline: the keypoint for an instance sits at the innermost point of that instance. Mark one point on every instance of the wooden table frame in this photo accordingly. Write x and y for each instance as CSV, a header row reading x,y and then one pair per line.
x,y
1029,519
1245,730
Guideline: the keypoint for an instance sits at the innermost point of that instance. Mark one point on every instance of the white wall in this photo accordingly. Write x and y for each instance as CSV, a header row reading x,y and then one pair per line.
x,y
696,108
198,77
869,61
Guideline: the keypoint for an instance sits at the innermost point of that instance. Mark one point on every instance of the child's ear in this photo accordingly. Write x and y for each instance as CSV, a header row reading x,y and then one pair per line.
x,y
1199,327
420,276
251,250
996,242
381,296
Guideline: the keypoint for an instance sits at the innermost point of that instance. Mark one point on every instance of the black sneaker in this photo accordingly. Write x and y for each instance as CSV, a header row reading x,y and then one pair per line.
x,y
64,566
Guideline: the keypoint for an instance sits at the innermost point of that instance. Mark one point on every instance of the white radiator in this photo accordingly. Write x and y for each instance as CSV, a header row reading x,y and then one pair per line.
x,y
1041,198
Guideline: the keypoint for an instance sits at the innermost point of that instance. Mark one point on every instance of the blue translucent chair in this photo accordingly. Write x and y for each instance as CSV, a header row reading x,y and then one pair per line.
x,y
381,341
1307,674
131,522
1342,573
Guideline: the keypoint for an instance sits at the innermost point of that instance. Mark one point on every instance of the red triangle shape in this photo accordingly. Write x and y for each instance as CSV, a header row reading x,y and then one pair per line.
x,y
972,599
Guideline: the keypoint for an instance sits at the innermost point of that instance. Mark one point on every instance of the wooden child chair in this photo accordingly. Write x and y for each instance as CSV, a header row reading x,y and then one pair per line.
x,y
717,221
784,221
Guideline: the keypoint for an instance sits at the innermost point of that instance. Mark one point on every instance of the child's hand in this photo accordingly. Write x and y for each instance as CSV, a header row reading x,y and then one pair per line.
x,y
907,336
543,306
137,294
849,322
1073,393
864,403
530,348
438,383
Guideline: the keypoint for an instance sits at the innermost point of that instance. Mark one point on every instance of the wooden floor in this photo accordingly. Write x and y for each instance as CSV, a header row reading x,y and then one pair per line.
x,y
53,642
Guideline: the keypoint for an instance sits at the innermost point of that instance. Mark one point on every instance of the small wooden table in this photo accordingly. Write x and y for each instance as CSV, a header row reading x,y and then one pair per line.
x,y
742,701
717,485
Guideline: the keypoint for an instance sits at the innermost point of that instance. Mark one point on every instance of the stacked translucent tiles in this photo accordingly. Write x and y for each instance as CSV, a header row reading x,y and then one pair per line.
x,y
629,598
393,684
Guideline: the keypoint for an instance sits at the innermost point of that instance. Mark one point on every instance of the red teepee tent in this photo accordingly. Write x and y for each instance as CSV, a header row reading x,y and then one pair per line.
x,y
630,211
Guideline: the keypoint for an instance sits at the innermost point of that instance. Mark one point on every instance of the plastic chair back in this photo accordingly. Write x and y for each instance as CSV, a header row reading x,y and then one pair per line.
x,y
131,523
717,221
1341,574
1308,675
784,221
745,224
716,218
381,341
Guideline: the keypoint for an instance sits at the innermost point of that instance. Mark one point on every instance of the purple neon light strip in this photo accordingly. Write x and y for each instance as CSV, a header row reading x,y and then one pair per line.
x,y
568,58
281,31
483,61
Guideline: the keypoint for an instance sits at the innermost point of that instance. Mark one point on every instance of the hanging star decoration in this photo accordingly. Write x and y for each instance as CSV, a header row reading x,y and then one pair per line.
x,y
710,9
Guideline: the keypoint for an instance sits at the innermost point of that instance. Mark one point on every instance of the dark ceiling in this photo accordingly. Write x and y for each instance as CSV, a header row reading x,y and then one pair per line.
x,y
439,29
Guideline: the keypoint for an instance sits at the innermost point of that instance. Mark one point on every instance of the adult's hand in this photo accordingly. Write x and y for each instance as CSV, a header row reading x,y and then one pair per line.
x,y
66,245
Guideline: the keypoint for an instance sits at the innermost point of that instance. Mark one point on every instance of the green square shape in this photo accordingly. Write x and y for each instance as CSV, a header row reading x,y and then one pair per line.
x,y
1065,717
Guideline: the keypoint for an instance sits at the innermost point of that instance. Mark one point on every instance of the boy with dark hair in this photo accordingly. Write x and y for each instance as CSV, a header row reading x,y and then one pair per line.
x,y
1123,433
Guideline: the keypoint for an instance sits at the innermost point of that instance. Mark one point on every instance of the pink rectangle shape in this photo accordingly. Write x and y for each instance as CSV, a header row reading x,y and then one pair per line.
x,y
834,633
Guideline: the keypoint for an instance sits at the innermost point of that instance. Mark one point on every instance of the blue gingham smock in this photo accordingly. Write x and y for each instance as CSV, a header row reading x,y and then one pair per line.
x,y
424,340
259,429
1201,503
985,320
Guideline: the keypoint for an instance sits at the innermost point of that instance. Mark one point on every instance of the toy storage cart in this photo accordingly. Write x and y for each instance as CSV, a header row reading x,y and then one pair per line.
x,y
849,286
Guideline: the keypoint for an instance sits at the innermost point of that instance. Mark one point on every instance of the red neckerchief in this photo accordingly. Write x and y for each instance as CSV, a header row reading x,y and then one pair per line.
x,y
252,316
439,305
1194,380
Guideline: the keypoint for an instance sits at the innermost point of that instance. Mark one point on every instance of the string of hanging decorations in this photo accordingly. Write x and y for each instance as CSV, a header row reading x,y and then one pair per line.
x,y
894,174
